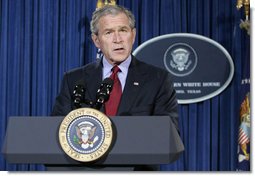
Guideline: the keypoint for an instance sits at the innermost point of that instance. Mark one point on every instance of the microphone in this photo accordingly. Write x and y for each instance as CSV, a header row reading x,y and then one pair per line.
x,y
103,93
78,95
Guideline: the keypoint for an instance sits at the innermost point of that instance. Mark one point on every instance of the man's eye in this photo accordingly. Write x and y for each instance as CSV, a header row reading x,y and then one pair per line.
x,y
123,30
108,33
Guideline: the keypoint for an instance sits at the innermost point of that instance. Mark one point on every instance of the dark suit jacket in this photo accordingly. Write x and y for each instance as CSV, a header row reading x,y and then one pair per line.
x,y
154,94
148,91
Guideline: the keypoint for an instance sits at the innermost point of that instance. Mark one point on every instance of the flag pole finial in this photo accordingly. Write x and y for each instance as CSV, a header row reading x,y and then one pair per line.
x,y
101,3
245,24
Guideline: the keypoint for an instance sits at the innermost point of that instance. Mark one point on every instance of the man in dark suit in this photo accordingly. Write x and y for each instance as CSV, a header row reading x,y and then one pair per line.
x,y
146,89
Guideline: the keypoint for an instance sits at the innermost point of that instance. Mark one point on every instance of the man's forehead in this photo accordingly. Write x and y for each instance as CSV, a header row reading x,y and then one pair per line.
x,y
113,20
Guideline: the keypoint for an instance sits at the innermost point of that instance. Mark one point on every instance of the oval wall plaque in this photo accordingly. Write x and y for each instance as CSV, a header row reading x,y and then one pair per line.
x,y
201,67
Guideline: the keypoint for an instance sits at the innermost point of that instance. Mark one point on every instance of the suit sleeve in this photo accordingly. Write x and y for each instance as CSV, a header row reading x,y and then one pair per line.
x,y
63,102
166,102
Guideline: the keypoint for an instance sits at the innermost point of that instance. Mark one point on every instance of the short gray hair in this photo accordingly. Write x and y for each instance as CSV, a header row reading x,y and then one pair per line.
x,y
110,10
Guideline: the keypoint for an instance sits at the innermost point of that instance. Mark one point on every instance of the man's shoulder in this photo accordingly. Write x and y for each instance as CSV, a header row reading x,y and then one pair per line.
x,y
82,69
151,68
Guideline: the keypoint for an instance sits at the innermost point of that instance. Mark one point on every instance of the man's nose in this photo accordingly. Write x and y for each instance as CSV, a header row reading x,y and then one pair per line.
x,y
117,37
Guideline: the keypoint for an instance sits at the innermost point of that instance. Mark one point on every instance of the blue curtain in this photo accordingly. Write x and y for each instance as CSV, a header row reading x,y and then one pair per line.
x,y
41,39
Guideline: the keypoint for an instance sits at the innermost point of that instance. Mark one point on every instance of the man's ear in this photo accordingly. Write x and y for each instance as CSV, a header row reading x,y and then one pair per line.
x,y
95,40
134,34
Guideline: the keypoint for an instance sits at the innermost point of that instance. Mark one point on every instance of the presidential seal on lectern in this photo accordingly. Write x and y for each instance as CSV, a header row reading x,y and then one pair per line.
x,y
85,134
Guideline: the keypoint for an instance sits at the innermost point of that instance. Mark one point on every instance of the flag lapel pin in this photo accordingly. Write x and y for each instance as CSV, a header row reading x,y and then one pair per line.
x,y
136,84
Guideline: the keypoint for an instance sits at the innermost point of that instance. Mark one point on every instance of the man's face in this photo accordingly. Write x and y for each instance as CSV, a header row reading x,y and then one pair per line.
x,y
115,38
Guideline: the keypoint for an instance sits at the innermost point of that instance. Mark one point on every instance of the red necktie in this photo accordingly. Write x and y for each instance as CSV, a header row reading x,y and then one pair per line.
x,y
111,106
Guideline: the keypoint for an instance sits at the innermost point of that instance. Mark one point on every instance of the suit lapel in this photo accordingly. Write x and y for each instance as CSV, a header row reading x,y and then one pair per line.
x,y
135,79
93,80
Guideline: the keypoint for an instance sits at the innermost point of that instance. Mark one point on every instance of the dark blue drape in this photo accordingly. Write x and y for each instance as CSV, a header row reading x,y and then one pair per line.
x,y
41,39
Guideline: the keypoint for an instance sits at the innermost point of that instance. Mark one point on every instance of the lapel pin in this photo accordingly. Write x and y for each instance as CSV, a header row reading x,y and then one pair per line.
x,y
136,83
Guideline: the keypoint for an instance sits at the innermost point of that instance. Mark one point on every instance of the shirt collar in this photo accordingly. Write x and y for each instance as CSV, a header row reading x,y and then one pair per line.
x,y
123,66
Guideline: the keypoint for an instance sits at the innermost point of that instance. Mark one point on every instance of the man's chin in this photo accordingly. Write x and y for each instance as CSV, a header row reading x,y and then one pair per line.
x,y
117,61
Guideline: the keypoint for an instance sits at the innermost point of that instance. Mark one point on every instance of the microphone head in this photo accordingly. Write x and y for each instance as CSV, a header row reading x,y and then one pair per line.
x,y
103,92
79,94
107,83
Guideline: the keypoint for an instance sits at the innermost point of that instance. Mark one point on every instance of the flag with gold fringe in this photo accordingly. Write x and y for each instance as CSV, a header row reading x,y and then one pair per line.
x,y
244,135
244,131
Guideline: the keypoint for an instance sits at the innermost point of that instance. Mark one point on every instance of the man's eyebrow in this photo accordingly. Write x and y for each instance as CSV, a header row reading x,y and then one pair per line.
x,y
125,27
108,29
118,27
